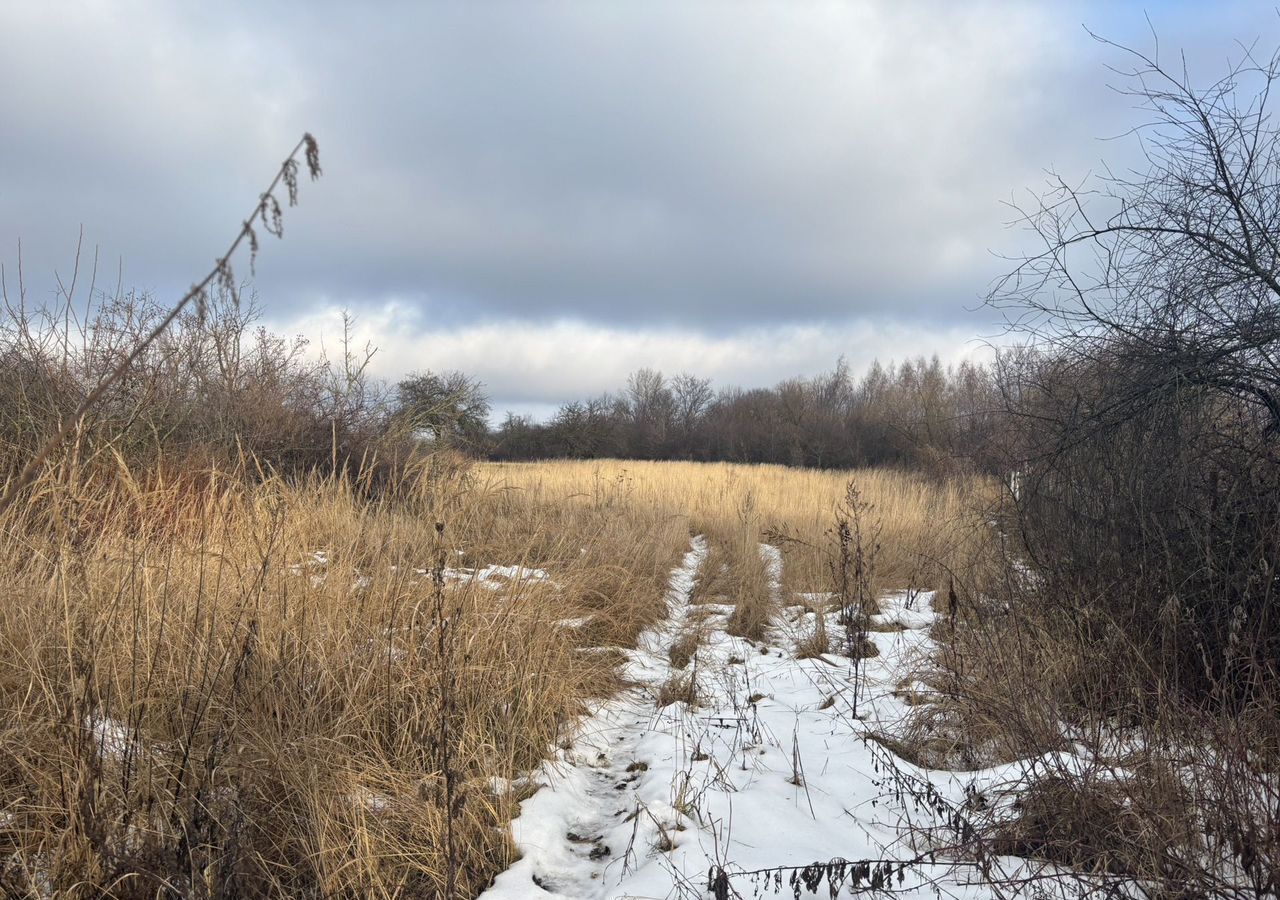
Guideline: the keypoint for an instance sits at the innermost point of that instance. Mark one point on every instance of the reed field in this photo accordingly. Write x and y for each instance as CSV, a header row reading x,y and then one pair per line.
x,y
928,531
220,684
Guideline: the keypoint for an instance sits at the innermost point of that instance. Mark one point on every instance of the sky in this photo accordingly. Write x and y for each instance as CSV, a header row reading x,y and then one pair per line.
x,y
549,195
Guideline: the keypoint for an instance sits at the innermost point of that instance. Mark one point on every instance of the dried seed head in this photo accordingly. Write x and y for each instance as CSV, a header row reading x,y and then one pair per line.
x,y
313,155
290,173
226,280
271,214
253,247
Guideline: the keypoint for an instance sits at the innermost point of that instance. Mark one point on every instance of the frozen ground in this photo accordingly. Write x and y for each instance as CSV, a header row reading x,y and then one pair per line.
x,y
768,772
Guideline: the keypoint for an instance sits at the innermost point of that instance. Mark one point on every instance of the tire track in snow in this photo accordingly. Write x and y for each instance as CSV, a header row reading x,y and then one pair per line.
x,y
768,769
583,829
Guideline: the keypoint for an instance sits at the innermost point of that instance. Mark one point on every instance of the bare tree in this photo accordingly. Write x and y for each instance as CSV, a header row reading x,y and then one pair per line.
x,y
1146,424
692,397
1181,262
652,411
451,407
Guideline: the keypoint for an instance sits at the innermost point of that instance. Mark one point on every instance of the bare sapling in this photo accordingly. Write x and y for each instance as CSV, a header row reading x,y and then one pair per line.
x,y
855,545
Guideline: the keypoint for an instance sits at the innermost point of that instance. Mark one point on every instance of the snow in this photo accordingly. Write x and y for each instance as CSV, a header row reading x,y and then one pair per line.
x,y
498,574
494,577
111,736
315,559
771,767
908,612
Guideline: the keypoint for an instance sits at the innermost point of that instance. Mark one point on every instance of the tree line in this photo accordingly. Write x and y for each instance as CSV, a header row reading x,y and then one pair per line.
x,y
913,413
217,386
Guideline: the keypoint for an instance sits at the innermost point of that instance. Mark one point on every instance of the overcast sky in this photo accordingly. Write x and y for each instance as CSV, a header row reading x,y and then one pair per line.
x,y
548,195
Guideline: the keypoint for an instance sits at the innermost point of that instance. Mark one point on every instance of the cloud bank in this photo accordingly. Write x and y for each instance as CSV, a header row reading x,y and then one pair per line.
x,y
548,194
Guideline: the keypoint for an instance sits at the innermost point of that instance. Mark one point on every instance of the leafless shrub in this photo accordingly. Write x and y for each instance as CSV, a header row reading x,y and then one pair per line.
x,y
109,373
1137,622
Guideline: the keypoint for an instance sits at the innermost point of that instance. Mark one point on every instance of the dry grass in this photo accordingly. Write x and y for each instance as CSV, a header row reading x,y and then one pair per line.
x,y
193,703
191,697
1096,826
816,643
754,604
929,529
682,687
684,647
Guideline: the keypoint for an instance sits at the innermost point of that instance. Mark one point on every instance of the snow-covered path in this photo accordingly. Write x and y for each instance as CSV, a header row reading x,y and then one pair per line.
x,y
588,821
770,767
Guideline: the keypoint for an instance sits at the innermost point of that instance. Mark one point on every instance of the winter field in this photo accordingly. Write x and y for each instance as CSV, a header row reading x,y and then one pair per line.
x,y
644,665
755,767
973,591
562,680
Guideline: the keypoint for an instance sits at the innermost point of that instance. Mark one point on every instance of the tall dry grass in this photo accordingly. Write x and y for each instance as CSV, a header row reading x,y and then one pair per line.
x,y
930,530
219,684
216,687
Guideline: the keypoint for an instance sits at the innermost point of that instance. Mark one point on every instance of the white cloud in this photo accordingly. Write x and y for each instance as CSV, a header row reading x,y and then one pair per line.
x,y
536,365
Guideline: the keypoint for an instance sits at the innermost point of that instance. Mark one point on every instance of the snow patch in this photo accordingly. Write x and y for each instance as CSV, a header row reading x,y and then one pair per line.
x,y
111,736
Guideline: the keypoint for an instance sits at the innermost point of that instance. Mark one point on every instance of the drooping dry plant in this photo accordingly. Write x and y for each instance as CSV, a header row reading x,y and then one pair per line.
x,y
855,546
267,211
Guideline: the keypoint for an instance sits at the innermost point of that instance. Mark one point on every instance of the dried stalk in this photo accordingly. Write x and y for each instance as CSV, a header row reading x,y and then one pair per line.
x,y
268,210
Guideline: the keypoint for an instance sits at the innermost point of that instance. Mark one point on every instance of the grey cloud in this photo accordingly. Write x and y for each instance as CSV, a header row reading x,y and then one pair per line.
x,y
534,366
711,167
